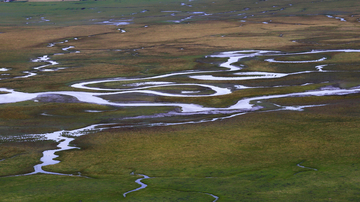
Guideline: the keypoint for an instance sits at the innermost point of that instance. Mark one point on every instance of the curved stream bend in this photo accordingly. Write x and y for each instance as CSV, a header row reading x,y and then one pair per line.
x,y
241,107
138,181
143,186
63,138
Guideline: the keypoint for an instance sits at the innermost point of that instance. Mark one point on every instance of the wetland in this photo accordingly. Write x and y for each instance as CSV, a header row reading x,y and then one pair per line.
x,y
173,101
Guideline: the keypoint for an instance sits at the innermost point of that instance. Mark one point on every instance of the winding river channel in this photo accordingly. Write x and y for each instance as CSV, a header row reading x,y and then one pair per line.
x,y
146,85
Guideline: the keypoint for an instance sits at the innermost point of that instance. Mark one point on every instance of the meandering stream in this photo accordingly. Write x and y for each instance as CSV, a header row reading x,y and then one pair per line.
x,y
145,84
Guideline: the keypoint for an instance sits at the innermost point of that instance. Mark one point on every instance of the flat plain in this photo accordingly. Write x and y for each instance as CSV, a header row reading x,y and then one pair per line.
x,y
279,122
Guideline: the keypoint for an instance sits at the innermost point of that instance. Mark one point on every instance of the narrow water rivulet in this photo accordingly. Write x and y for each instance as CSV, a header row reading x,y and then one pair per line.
x,y
146,85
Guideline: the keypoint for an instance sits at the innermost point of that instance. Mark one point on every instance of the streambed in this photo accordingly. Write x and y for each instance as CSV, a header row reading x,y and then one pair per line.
x,y
144,85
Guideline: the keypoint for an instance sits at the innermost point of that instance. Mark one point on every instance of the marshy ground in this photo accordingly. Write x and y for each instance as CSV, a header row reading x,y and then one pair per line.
x,y
173,107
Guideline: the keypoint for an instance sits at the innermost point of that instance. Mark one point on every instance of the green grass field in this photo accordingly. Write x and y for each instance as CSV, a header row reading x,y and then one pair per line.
x,y
251,157
247,158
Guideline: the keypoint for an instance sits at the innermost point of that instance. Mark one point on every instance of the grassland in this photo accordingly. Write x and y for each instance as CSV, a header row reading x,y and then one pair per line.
x,y
248,158
252,157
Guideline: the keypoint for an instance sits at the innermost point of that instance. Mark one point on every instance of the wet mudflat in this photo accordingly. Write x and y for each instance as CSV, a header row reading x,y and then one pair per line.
x,y
199,116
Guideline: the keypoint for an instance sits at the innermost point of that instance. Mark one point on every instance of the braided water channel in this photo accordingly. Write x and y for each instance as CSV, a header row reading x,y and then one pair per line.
x,y
145,85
